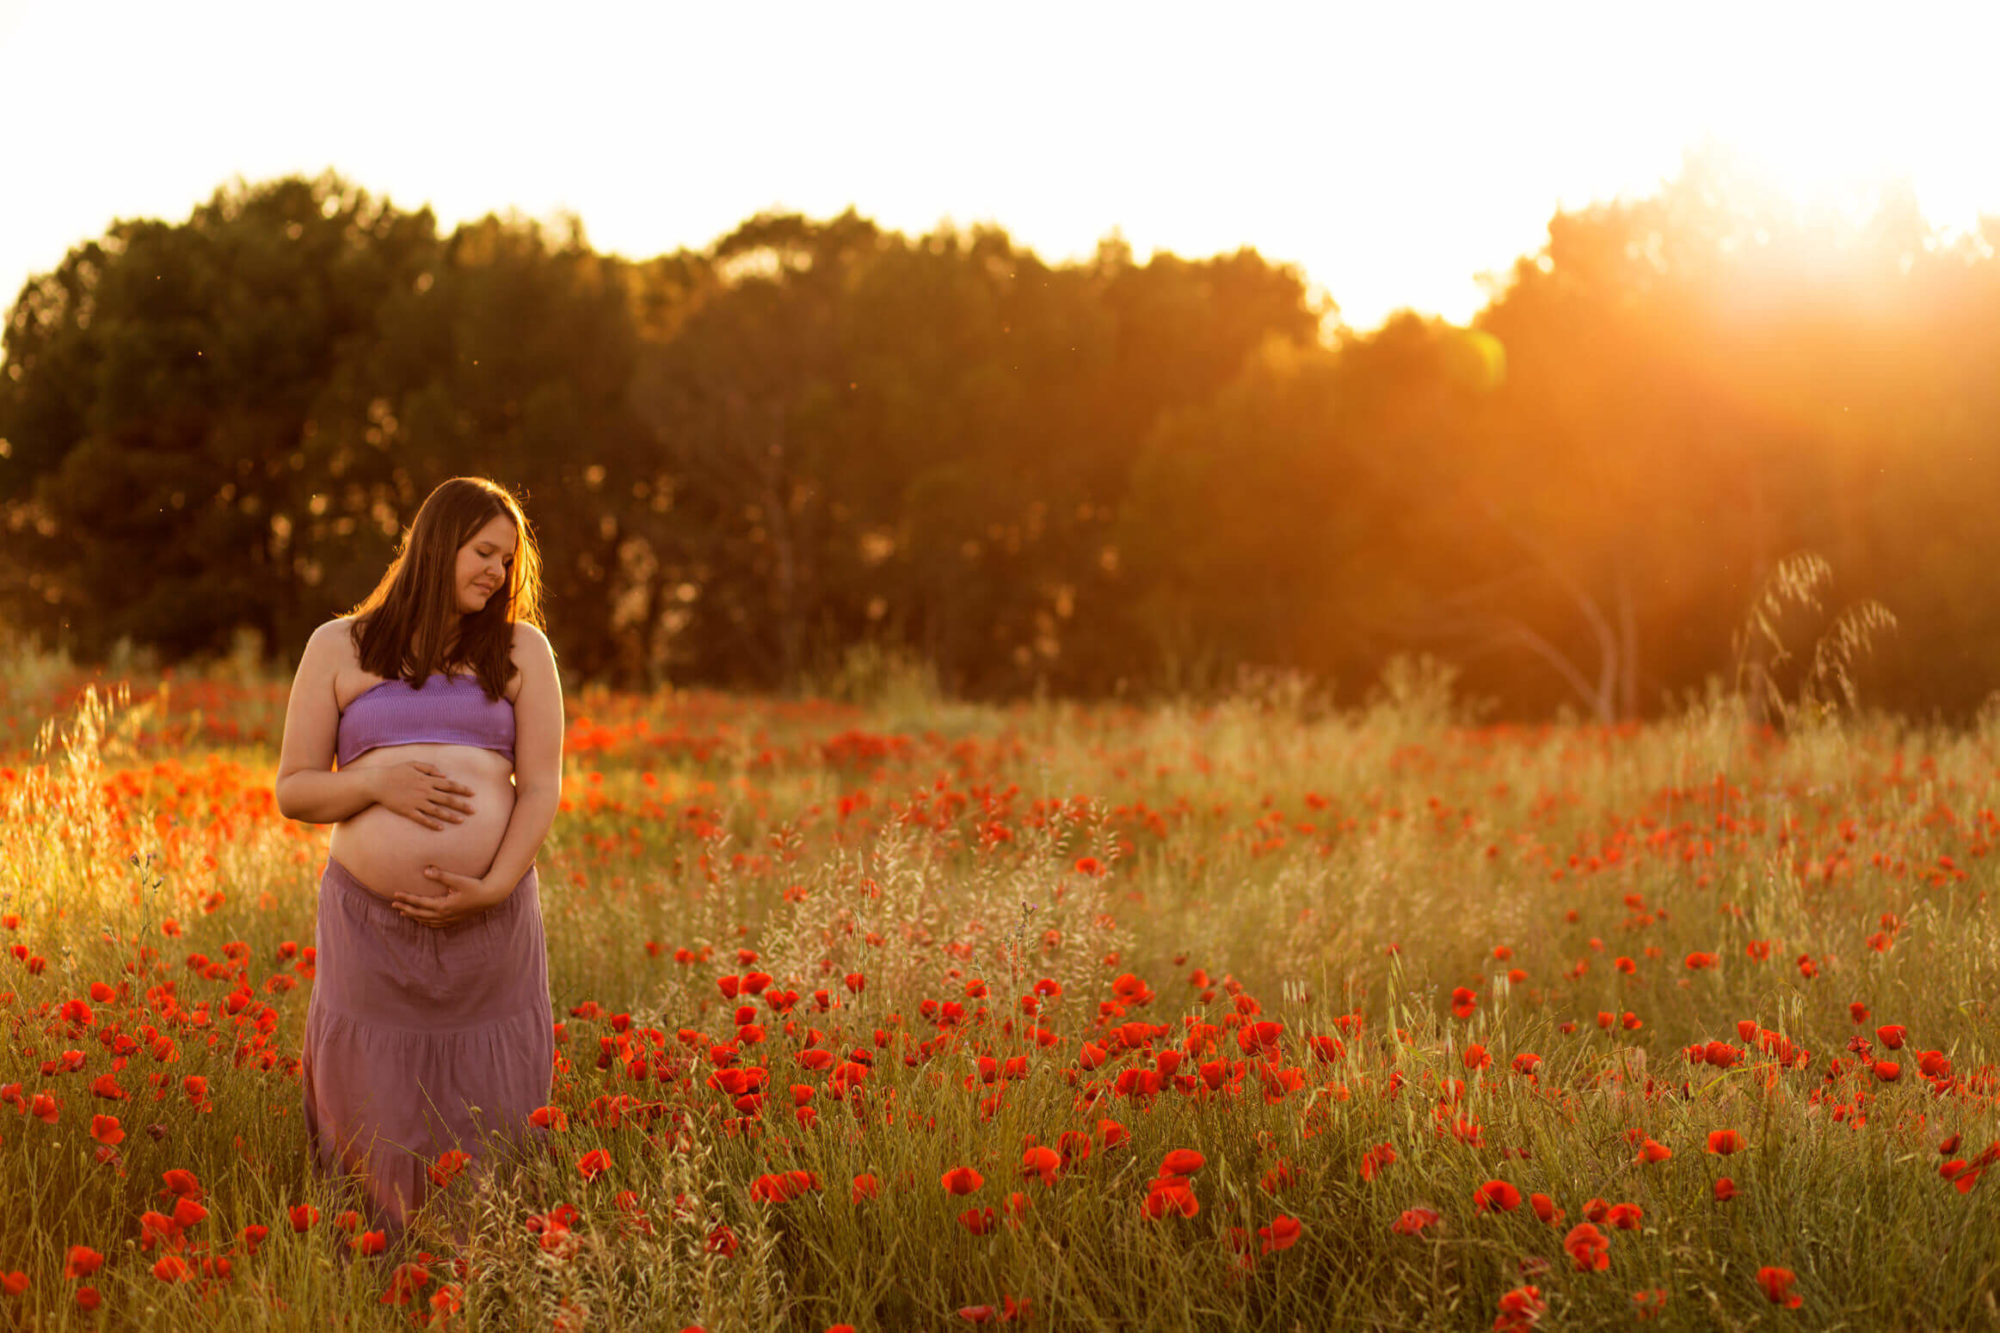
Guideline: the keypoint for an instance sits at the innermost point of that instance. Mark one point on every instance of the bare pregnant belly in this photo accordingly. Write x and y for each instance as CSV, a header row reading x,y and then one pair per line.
x,y
388,851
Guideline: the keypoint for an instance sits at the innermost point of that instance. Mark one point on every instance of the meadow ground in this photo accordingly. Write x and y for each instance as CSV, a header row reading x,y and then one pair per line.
x,y
913,1015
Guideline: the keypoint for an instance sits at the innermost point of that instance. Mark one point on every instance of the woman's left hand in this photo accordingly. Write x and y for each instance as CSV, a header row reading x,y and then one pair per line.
x,y
464,896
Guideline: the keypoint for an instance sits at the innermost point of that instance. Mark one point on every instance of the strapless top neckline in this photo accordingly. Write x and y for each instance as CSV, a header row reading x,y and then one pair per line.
x,y
449,679
440,714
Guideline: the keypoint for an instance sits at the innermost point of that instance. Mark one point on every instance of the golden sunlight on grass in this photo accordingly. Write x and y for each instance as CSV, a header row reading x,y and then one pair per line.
x,y
897,1015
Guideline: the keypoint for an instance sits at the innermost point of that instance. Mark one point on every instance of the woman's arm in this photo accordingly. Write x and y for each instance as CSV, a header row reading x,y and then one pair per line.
x,y
538,746
326,798
307,788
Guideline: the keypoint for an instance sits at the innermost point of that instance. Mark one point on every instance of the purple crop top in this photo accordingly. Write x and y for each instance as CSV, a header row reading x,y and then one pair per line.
x,y
455,712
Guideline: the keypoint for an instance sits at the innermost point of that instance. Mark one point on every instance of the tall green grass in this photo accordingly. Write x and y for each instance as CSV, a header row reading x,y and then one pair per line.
x,y
1428,842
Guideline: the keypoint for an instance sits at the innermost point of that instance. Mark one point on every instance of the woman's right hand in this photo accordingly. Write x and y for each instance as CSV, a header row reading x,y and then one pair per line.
x,y
422,792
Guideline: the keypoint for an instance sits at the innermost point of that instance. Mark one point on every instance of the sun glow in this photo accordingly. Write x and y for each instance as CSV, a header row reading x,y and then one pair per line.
x,y
1857,111
1393,157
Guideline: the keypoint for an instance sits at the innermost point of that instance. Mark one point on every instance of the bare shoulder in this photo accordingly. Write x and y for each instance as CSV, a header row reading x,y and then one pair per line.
x,y
533,658
333,639
530,644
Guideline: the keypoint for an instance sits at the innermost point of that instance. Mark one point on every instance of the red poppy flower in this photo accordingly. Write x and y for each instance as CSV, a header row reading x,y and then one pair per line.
x,y
1463,1002
181,1183
156,1228
1041,1161
1626,1216
1496,1194
1888,1070
1170,1194
1589,1248
1723,1142
1413,1221
1545,1208
865,1187
405,1283
1520,1308
443,1171
1777,1285
1724,1189
1282,1234
770,1188
962,1180
1181,1162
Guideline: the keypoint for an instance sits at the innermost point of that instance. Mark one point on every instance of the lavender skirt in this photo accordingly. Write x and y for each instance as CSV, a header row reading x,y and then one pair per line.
x,y
418,1038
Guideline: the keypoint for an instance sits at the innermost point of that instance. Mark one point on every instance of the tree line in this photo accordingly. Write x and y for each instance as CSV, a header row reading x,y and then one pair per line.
x,y
1086,478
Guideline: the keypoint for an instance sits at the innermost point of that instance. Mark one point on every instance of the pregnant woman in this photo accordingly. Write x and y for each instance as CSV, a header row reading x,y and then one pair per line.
x,y
429,1027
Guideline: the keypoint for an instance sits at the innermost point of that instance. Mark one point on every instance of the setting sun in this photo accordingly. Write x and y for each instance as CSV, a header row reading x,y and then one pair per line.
x,y
1394,152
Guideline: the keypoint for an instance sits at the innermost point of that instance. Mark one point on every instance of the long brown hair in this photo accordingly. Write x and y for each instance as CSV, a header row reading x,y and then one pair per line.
x,y
401,628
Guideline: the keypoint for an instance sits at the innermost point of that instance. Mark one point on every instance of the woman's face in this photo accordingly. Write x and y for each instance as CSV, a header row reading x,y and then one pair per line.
x,y
485,564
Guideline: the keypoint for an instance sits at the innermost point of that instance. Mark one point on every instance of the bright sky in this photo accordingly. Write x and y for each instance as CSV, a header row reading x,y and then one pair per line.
x,y
1394,149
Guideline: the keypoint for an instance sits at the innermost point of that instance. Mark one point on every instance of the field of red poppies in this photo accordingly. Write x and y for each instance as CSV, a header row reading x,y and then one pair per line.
x,y
916,1014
